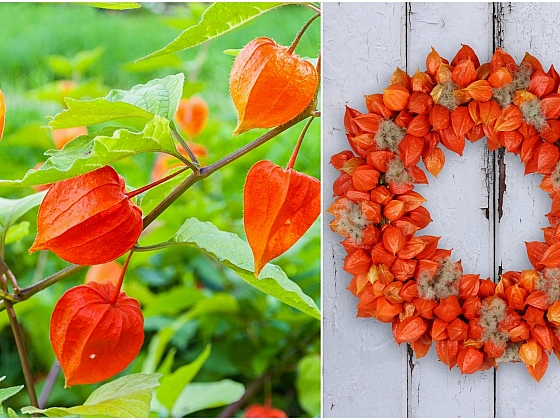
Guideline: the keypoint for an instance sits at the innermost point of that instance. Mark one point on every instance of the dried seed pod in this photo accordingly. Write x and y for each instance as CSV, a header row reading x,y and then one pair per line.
x,y
269,85
88,219
92,338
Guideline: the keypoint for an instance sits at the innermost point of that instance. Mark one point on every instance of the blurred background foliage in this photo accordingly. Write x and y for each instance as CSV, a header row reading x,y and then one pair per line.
x,y
49,51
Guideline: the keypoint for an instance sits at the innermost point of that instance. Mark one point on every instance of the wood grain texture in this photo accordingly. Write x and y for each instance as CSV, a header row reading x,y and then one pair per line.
x,y
458,202
531,27
364,370
365,374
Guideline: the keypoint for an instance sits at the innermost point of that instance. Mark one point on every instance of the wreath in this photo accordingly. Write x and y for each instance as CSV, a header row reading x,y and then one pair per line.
x,y
403,278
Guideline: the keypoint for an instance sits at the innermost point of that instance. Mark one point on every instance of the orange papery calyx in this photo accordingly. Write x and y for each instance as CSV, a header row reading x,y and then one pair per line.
x,y
96,331
279,206
270,85
90,219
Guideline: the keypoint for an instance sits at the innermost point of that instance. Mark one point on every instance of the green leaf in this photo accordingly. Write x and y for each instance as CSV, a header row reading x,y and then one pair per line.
x,y
17,232
6,393
173,384
11,210
95,111
236,254
218,19
95,150
128,396
157,97
157,347
199,396
308,384
12,414
112,5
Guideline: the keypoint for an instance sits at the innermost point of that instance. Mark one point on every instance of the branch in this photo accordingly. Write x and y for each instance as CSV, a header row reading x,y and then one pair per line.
x,y
301,32
194,165
6,270
20,345
206,171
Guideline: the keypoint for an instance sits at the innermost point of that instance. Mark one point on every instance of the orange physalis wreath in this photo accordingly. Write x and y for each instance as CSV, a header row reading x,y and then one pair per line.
x,y
404,278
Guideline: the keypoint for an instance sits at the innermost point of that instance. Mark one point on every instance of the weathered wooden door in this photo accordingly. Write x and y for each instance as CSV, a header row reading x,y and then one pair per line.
x,y
482,206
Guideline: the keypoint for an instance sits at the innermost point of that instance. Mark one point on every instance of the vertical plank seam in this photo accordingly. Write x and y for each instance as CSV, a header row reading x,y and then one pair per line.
x,y
410,364
498,167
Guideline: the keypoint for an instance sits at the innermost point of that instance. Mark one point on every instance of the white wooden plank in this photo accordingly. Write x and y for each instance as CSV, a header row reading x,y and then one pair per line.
x,y
458,201
529,27
364,372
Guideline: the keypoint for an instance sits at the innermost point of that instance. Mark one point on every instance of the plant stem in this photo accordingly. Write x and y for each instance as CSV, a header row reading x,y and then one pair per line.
x,y
16,330
252,389
154,184
117,290
301,32
170,199
49,383
312,7
27,292
207,170
293,158
195,165
6,270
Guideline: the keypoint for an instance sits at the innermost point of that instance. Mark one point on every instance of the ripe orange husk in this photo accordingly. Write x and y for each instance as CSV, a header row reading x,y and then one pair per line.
x,y
92,338
89,219
270,86
263,412
279,206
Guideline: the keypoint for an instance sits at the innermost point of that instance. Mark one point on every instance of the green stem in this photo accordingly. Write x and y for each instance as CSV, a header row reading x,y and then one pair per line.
x,y
301,32
6,270
170,199
195,165
293,158
27,292
149,248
